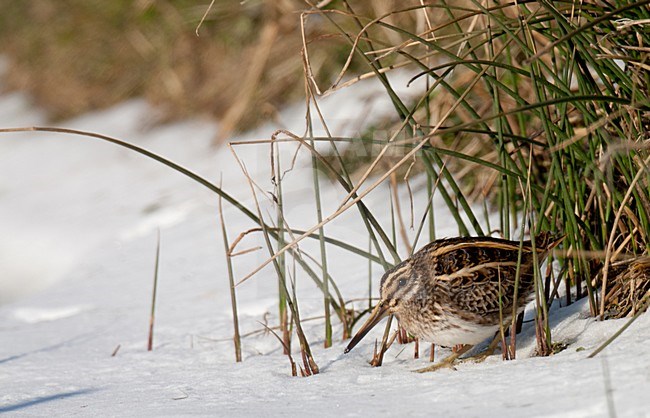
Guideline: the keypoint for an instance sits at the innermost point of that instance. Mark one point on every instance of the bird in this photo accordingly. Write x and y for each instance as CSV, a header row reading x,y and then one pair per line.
x,y
457,291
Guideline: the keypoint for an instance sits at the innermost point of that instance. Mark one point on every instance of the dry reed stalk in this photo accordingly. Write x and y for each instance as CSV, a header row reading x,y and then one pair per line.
x,y
153,295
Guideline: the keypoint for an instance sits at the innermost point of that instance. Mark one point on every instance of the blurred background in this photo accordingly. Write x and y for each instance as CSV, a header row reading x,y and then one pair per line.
x,y
75,56
238,65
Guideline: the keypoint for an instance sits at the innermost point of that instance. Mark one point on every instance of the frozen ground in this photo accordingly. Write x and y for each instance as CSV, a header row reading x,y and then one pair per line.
x,y
78,222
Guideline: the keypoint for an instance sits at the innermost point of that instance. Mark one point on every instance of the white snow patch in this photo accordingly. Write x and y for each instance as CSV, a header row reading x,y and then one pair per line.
x,y
35,315
158,219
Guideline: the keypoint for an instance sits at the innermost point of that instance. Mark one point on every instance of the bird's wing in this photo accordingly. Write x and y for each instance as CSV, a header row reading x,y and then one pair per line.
x,y
479,280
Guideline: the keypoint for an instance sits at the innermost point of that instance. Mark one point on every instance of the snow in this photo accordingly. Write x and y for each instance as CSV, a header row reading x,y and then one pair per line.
x,y
78,222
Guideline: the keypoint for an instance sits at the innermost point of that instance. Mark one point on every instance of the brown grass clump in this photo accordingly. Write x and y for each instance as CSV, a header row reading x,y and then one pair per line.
x,y
628,287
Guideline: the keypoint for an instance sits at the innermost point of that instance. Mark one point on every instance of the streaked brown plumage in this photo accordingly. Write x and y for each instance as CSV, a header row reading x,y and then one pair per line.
x,y
448,292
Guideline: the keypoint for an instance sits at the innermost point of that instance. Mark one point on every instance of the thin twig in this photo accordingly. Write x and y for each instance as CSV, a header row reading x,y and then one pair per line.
x,y
153,295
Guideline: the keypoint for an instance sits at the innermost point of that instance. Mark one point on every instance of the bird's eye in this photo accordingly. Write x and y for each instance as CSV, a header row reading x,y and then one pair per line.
x,y
401,282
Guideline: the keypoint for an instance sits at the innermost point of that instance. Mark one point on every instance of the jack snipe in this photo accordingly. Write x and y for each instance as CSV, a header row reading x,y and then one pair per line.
x,y
448,292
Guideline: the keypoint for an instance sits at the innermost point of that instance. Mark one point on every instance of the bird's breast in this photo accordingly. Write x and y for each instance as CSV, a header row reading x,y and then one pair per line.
x,y
445,329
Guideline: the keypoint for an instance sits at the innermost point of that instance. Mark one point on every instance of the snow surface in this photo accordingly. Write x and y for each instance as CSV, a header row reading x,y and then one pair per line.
x,y
78,224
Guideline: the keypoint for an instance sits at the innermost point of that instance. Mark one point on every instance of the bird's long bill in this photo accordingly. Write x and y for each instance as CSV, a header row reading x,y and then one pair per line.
x,y
380,311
